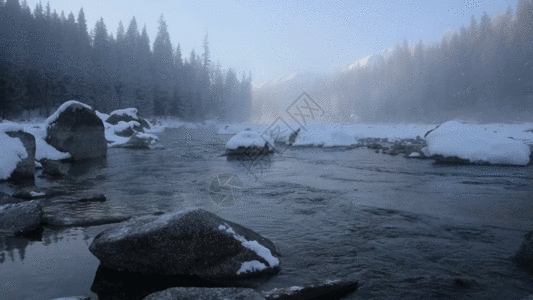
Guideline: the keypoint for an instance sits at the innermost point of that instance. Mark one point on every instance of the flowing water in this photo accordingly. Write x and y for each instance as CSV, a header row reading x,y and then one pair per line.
x,y
404,228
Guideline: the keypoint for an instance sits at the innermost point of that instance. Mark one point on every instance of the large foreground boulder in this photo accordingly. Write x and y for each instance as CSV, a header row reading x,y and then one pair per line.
x,y
21,217
524,255
26,167
75,128
181,293
193,242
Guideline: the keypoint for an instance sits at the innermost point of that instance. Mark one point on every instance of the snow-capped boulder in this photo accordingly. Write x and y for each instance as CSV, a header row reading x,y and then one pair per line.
x,y
192,242
249,142
20,218
524,255
455,142
25,167
127,115
75,128
206,293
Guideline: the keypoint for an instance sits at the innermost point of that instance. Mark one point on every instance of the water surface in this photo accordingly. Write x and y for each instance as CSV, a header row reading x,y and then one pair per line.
x,y
404,228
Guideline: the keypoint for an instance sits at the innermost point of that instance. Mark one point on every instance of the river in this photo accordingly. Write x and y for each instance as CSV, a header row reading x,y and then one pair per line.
x,y
404,228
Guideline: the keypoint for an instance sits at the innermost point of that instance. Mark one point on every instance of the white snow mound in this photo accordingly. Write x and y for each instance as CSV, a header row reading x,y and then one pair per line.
x,y
249,139
132,112
476,144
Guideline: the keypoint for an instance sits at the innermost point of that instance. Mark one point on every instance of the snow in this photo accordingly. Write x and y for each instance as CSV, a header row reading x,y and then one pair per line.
x,y
295,288
43,149
251,266
102,116
259,249
132,112
121,125
73,104
477,144
414,154
249,138
12,150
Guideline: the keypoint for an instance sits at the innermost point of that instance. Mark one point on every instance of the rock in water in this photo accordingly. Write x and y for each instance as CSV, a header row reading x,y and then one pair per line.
x,y
21,217
6,199
181,293
52,168
26,167
140,141
75,128
524,256
329,289
192,242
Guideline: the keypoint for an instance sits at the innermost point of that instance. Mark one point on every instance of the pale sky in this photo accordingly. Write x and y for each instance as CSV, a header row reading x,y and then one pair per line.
x,y
276,38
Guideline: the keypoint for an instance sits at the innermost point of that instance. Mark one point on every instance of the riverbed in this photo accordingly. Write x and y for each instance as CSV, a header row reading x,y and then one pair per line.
x,y
404,228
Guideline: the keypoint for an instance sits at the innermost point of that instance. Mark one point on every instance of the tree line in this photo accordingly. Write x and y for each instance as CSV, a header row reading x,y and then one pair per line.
x,y
47,58
483,71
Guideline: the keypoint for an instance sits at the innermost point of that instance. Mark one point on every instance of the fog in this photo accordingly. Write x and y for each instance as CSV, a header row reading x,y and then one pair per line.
x,y
482,72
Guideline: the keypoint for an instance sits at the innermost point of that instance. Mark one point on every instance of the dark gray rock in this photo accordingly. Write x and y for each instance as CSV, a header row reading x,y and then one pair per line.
x,y
206,294
78,131
20,218
52,168
26,167
524,255
193,242
329,289
6,199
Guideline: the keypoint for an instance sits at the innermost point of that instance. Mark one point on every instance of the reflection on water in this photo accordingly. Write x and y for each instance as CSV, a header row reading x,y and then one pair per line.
x,y
403,228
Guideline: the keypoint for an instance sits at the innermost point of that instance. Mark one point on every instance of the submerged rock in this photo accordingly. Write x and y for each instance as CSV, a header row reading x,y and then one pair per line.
x,y
93,198
52,168
181,293
30,193
140,141
6,199
524,255
20,218
26,167
58,219
193,242
329,289
75,128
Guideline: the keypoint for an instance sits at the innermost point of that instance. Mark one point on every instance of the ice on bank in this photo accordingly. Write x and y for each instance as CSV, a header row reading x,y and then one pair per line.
x,y
476,144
